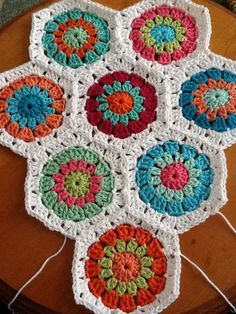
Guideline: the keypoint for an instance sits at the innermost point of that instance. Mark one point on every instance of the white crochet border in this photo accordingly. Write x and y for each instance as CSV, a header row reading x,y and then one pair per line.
x,y
76,123
36,208
126,16
110,65
17,145
171,249
39,20
216,200
126,206
176,79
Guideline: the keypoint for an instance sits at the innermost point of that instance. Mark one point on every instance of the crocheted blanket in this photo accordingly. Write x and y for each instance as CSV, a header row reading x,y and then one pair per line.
x,y
123,118
10,9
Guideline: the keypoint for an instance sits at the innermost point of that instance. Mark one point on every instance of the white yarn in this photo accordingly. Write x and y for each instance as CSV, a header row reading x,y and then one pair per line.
x,y
210,282
122,155
17,145
170,242
37,209
39,20
228,223
111,64
36,274
199,12
177,78
209,207
125,194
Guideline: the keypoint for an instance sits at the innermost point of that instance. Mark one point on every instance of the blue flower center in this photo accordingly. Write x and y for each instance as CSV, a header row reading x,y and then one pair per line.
x,y
163,34
216,98
30,106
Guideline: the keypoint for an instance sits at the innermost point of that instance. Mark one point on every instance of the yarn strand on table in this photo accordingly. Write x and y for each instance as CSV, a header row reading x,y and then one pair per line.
x,y
36,274
209,281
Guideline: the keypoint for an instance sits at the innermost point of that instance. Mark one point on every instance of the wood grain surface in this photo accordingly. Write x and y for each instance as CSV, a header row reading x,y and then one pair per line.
x,y
26,243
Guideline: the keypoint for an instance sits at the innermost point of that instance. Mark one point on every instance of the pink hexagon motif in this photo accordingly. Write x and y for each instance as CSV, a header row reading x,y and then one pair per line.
x,y
159,33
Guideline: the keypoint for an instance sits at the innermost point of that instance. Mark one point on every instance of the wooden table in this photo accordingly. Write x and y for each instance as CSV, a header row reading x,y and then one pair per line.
x,y
26,243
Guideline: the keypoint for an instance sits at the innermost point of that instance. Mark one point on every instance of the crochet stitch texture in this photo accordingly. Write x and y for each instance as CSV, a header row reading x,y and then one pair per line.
x,y
208,98
76,184
126,268
164,34
121,104
123,118
174,178
75,37
31,107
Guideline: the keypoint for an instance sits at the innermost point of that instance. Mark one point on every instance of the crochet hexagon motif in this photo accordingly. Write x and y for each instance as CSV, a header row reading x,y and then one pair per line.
x,y
67,189
34,106
157,33
126,266
76,184
206,98
175,180
70,35
121,102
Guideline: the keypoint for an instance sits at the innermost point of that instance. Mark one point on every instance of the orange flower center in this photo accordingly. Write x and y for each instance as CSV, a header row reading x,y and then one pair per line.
x,y
125,267
120,102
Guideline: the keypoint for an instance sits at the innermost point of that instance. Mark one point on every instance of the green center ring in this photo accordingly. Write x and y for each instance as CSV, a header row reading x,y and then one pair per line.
x,y
216,98
77,183
75,37
170,45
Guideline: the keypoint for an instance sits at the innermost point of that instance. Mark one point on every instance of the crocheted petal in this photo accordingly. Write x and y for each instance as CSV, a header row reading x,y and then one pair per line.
x,y
127,303
121,131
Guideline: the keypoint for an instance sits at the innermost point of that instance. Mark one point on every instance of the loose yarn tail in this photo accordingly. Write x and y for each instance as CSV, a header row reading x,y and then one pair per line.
x,y
36,274
228,223
210,282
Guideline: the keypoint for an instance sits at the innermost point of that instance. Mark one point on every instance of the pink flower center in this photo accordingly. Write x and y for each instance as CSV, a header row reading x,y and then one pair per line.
x,y
126,266
175,176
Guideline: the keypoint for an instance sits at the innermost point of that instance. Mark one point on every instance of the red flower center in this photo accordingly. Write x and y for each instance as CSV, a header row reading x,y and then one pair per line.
x,y
120,102
125,267
175,176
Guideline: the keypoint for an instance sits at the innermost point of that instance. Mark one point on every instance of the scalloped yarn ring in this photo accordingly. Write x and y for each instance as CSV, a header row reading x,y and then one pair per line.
x,y
174,178
209,99
164,34
121,104
76,184
74,38
126,268
31,107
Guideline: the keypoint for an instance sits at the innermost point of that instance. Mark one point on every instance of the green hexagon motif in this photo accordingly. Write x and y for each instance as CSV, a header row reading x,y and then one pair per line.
x,y
76,184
